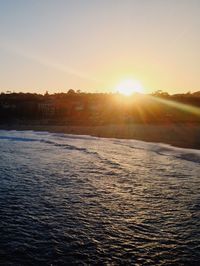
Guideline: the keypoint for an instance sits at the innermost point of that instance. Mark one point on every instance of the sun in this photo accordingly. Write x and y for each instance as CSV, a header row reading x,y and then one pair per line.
x,y
129,86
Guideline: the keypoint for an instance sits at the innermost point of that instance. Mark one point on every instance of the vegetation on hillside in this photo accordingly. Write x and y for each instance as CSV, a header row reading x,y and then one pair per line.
x,y
79,108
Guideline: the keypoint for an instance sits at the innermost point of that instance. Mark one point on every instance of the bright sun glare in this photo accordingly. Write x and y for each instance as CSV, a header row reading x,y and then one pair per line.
x,y
129,86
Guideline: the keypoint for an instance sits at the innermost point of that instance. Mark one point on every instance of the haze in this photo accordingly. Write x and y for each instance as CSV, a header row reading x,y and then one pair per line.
x,y
93,45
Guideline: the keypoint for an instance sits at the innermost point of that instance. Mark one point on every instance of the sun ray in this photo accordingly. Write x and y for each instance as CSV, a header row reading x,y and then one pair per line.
x,y
49,63
181,106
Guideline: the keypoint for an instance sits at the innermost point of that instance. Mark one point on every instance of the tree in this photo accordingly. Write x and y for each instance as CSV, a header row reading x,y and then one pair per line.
x,y
71,91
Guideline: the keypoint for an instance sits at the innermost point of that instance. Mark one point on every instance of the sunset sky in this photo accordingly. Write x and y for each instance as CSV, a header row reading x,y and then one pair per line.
x,y
93,45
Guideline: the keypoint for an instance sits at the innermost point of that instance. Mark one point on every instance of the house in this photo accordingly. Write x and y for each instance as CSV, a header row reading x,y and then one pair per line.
x,y
47,109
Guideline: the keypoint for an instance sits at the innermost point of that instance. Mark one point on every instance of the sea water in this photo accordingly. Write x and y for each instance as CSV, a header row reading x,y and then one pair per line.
x,y
78,200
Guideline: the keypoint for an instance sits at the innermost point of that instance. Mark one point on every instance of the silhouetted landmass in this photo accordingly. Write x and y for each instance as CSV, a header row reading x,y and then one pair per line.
x,y
88,109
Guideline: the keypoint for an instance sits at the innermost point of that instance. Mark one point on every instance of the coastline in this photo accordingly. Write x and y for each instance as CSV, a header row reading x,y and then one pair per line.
x,y
179,135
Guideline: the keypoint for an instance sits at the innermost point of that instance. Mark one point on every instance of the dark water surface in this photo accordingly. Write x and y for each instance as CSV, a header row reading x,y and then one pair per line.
x,y
77,200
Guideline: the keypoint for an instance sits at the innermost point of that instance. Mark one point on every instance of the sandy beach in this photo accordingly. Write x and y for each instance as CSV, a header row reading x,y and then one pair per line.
x,y
180,135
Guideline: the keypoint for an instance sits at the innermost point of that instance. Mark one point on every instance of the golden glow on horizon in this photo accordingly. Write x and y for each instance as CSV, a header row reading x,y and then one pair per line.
x,y
129,86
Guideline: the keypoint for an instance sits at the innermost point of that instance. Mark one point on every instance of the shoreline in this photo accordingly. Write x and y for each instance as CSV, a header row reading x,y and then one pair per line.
x,y
179,135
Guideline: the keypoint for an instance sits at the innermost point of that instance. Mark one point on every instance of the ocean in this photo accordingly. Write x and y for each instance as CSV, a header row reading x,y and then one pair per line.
x,y
81,200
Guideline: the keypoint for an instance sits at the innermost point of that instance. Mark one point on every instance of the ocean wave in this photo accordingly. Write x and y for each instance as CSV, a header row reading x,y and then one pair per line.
x,y
13,138
162,149
159,148
97,203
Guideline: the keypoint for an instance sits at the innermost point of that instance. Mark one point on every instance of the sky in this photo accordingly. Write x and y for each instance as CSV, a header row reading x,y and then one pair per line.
x,y
93,45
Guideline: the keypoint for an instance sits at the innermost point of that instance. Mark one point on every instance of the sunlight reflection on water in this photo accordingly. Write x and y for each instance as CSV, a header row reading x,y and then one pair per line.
x,y
75,199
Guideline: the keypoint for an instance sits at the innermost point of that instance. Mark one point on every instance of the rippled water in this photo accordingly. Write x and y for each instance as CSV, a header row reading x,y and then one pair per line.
x,y
73,200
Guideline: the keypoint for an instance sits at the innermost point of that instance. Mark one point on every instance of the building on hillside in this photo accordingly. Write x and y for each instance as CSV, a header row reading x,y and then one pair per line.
x,y
47,109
